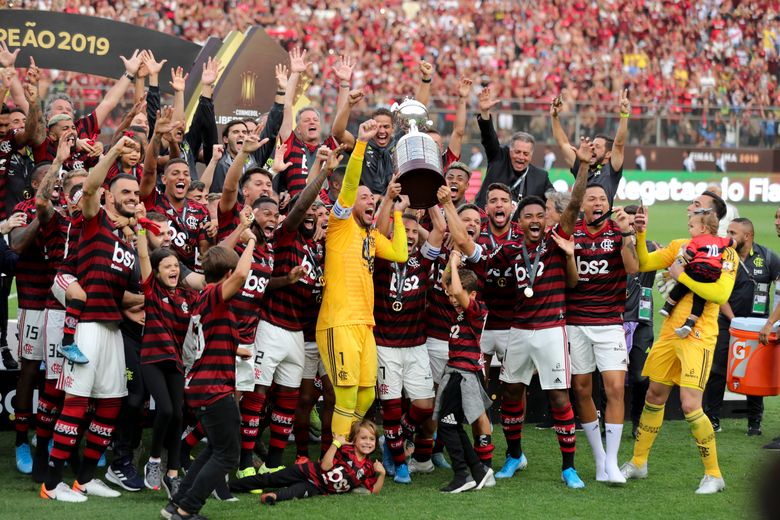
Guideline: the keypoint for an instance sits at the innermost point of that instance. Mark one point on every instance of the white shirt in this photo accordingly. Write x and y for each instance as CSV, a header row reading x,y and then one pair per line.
x,y
689,165
549,160
641,162
731,214
476,160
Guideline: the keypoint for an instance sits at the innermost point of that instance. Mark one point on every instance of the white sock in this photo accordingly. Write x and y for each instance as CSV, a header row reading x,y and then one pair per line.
x,y
155,459
614,432
593,433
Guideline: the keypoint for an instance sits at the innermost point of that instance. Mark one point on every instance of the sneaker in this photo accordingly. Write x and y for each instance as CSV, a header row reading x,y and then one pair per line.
x,y
512,465
152,475
710,485
96,488
459,484
571,479
251,472
268,499
684,331
169,510
387,457
24,462
171,485
772,446
73,354
664,311
415,466
440,461
484,478
754,429
124,475
63,493
8,359
222,492
716,424
402,474
630,470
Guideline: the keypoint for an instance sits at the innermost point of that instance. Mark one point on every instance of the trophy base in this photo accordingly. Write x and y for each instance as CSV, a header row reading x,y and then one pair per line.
x,y
421,185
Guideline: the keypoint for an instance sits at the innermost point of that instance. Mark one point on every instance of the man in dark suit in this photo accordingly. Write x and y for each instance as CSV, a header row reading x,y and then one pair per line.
x,y
508,164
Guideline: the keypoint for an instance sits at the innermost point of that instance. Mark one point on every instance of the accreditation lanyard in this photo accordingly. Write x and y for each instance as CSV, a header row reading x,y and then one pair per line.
x,y
400,279
529,269
493,240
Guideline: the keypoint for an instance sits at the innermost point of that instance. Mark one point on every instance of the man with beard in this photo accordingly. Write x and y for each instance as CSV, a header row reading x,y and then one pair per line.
x,y
279,352
103,271
344,334
187,218
508,164
543,264
604,254
457,177
605,167
83,155
759,267
304,140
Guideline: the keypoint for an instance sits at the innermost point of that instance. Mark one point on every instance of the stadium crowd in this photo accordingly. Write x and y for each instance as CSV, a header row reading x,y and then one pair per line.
x,y
236,296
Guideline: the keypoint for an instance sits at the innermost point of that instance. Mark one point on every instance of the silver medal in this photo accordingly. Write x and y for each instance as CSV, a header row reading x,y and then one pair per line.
x,y
528,292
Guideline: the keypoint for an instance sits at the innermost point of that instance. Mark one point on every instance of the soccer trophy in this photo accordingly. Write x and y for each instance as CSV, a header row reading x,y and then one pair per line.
x,y
417,156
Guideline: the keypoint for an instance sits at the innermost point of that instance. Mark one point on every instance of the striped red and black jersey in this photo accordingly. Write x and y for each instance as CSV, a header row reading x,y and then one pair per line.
x,y
312,311
600,295
347,473
228,221
438,317
399,300
500,288
246,303
708,249
186,226
325,198
291,307
56,234
167,318
465,336
88,127
213,374
302,157
546,307
34,274
136,171
105,263
8,147
447,158
78,160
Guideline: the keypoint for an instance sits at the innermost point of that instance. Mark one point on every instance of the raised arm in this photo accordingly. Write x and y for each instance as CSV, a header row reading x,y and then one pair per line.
x,y
343,72
298,65
142,245
178,83
339,128
34,127
569,154
326,160
386,207
459,128
233,176
572,211
423,94
619,145
97,175
349,185
236,280
395,250
115,94
164,125
11,79
458,232
456,288
628,251
43,206
438,228
207,177
484,121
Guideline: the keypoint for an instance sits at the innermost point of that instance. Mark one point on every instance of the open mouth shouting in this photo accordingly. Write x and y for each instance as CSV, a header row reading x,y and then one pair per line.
x,y
309,222
535,231
180,189
499,218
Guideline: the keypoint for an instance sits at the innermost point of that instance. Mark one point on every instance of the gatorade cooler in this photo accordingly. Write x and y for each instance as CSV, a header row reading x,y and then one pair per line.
x,y
753,368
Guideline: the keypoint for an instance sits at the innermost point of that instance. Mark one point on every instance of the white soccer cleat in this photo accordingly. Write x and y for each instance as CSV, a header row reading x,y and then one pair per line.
x,y
62,493
629,470
96,488
710,485
420,467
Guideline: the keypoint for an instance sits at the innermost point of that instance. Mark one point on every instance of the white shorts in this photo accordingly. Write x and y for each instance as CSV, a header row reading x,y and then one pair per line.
x,y
312,365
60,286
105,375
546,350
31,331
438,355
279,356
404,368
245,371
597,346
494,343
55,321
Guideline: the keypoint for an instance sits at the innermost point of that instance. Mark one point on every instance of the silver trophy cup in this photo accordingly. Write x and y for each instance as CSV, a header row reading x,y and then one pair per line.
x,y
417,156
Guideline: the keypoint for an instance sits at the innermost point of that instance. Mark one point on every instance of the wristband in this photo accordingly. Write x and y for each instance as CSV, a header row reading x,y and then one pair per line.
x,y
630,233
344,85
336,443
129,76
141,232
427,80
280,92
625,115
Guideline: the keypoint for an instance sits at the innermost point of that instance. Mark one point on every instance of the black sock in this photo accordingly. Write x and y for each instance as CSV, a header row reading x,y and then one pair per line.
x,y
54,475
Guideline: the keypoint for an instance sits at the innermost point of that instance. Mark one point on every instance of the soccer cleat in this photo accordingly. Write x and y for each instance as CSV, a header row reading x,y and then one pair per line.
x,y
415,466
571,479
222,493
62,493
402,474
630,470
772,446
710,485
152,475
171,485
684,331
459,484
96,488
262,470
8,359
485,478
440,461
24,462
268,499
754,429
387,457
716,424
615,476
73,354
246,472
512,465
123,474
169,510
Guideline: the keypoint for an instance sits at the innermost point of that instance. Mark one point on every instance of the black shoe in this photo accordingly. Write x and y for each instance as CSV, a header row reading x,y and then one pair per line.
x,y
754,429
578,427
634,430
169,510
459,484
716,424
772,446
171,485
8,359
545,425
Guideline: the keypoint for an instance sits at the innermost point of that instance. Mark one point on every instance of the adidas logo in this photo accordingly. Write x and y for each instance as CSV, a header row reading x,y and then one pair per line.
x,y
558,380
577,246
449,419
